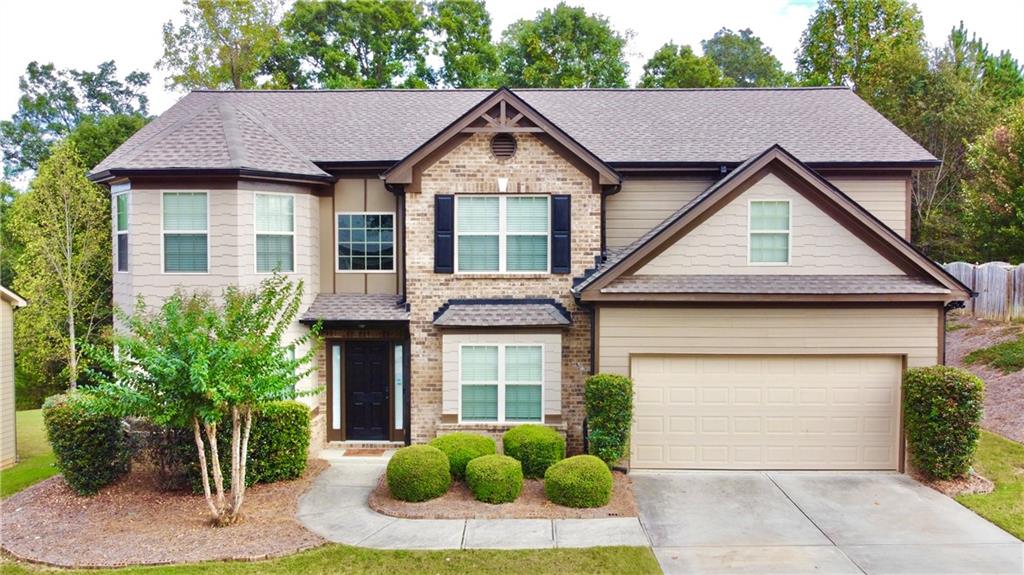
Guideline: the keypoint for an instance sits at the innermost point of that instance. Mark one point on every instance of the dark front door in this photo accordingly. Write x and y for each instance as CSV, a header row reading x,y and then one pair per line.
x,y
366,390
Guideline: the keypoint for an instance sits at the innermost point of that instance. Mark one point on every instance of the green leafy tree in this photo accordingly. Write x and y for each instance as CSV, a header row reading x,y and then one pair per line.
x,y
221,44
994,193
745,59
54,102
95,138
352,43
10,249
193,362
564,47
463,30
63,226
675,66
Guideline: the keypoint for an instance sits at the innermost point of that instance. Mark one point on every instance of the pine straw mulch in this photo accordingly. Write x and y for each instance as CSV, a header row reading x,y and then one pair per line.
x,y
1004,392
458,503
134,523
971,484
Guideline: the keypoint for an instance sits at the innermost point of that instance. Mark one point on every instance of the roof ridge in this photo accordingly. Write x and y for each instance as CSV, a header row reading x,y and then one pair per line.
x,y
489,90
237,152
268,128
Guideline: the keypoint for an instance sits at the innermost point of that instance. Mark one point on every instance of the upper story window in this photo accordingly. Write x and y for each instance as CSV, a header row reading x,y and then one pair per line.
x,y
275,233
505,234
769,232
185,232
366,242
121,231
501,382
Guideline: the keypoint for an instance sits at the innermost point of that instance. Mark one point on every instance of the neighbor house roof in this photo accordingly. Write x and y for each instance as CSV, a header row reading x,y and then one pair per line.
x,y
350,307
12,297
502,313
303,133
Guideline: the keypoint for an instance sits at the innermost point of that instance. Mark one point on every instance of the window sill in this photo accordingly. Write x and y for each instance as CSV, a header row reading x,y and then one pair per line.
x,y
500,276
494,426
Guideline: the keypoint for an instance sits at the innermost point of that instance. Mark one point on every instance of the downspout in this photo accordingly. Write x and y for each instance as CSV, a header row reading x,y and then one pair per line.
x,y
398,190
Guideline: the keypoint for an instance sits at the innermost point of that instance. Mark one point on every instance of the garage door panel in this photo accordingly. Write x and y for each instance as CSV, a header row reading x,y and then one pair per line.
x,y
766,412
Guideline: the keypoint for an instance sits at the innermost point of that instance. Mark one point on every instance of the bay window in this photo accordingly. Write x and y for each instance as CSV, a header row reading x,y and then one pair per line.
x,y
121,231
275,233
185,232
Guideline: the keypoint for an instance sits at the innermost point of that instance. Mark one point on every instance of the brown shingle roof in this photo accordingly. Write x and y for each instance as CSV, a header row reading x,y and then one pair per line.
x,y
347,307
287,131
774,284
501,313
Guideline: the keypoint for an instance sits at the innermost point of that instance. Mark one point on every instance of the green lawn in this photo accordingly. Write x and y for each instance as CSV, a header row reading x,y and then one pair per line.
x,y
35,459
340,559
1002,461
1007,356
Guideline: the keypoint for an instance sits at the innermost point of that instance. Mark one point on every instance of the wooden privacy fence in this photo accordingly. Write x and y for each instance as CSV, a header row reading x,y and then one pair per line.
x,y
1000,289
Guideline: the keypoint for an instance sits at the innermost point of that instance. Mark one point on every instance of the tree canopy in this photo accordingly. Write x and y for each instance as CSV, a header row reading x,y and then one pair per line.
x,y
744,59
469,57
675,66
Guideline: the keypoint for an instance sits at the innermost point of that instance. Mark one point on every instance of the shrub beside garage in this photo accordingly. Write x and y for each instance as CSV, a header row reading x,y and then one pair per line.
x,y
942,409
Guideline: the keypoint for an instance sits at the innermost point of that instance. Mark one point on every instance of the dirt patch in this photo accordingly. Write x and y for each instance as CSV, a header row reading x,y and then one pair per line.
x,y
132,523
973,483
1004,392
458,503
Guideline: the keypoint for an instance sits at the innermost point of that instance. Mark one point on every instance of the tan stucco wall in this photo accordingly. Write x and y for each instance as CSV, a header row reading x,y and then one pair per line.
x,y
819,245
8,449
642,204
910,331
355,195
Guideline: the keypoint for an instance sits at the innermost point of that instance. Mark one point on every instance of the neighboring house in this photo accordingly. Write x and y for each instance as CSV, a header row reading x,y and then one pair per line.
x,y
8,432
473,256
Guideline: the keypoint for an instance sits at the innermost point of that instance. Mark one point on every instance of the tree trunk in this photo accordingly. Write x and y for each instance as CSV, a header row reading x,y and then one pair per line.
x,y
214,513
218,477
73,349
238,477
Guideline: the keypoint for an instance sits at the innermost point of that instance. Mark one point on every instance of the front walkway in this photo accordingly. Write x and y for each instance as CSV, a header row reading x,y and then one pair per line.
x,y
336,509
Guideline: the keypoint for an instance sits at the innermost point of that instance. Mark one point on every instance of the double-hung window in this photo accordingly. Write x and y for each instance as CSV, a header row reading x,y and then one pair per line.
x,y
121,231
501,383
505,234
769,232
185,232
275,233
366,242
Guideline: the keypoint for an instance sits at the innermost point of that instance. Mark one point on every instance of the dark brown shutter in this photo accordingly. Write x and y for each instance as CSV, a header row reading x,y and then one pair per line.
x,y
561,235
444,234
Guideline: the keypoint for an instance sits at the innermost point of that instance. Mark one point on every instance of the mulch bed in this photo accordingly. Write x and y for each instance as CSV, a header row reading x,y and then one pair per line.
x,y
1004,392
973,483
458,503
133,523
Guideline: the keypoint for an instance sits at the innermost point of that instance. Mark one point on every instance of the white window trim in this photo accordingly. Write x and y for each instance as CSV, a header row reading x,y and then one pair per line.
x,y
502,236
751,232
394,242
123,190
257,233
501,383
163,233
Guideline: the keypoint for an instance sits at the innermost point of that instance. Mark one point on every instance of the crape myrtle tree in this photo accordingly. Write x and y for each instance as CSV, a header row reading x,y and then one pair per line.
x,y
194,362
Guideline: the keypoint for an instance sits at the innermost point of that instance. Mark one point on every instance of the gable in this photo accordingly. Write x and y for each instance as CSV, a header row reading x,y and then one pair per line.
x,y
818,244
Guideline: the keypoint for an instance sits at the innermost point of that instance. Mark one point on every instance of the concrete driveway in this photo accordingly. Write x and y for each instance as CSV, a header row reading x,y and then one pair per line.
x,y
815,522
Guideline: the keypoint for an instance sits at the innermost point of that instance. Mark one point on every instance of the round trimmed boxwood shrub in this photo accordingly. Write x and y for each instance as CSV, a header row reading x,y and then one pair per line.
x,y
418,473
941,412
495,478
536,446
580,481
608,399
92,448
461,448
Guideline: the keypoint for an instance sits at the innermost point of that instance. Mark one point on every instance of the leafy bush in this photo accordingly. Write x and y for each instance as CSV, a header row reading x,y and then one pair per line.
x,y
608,399
495,478
461,448
941,411
536,446
418,473
581,481
92,448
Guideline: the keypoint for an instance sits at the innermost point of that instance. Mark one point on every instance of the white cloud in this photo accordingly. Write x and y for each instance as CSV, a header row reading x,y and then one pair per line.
x,y
72,33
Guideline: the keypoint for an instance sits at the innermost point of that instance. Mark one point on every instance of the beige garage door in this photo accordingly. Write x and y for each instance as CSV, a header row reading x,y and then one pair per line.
x,y
766,412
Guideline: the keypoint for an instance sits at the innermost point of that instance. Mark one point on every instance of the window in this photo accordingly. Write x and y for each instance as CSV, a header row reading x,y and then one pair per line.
x,y
505,234
399,386
501,383
185,225
275,233
121,229
769,232
366,242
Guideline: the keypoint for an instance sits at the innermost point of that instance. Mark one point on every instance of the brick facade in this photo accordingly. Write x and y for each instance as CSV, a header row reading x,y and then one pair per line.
x,y
470,168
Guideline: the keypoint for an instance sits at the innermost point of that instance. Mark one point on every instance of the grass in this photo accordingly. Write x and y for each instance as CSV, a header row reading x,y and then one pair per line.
x,y
1007,356
35,458
341,559
1002,461
955,326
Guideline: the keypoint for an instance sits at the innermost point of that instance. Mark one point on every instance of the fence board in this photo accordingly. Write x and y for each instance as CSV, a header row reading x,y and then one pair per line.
x,y
964,272
999,288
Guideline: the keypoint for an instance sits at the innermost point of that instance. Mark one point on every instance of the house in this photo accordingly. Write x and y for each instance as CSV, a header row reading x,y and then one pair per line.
x,y
9,301
742,254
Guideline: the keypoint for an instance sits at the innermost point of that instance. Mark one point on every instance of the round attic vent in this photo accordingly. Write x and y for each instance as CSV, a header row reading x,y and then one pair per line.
x,y
503,146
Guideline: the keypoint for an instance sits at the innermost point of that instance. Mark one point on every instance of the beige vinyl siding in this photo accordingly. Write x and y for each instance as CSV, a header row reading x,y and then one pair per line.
x,y
8,442
886,199
642,204
881,330
357,195
818,244
552,342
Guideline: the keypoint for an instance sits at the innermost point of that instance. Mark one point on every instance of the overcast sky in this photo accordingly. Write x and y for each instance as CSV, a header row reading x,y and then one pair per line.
x,y
81,34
